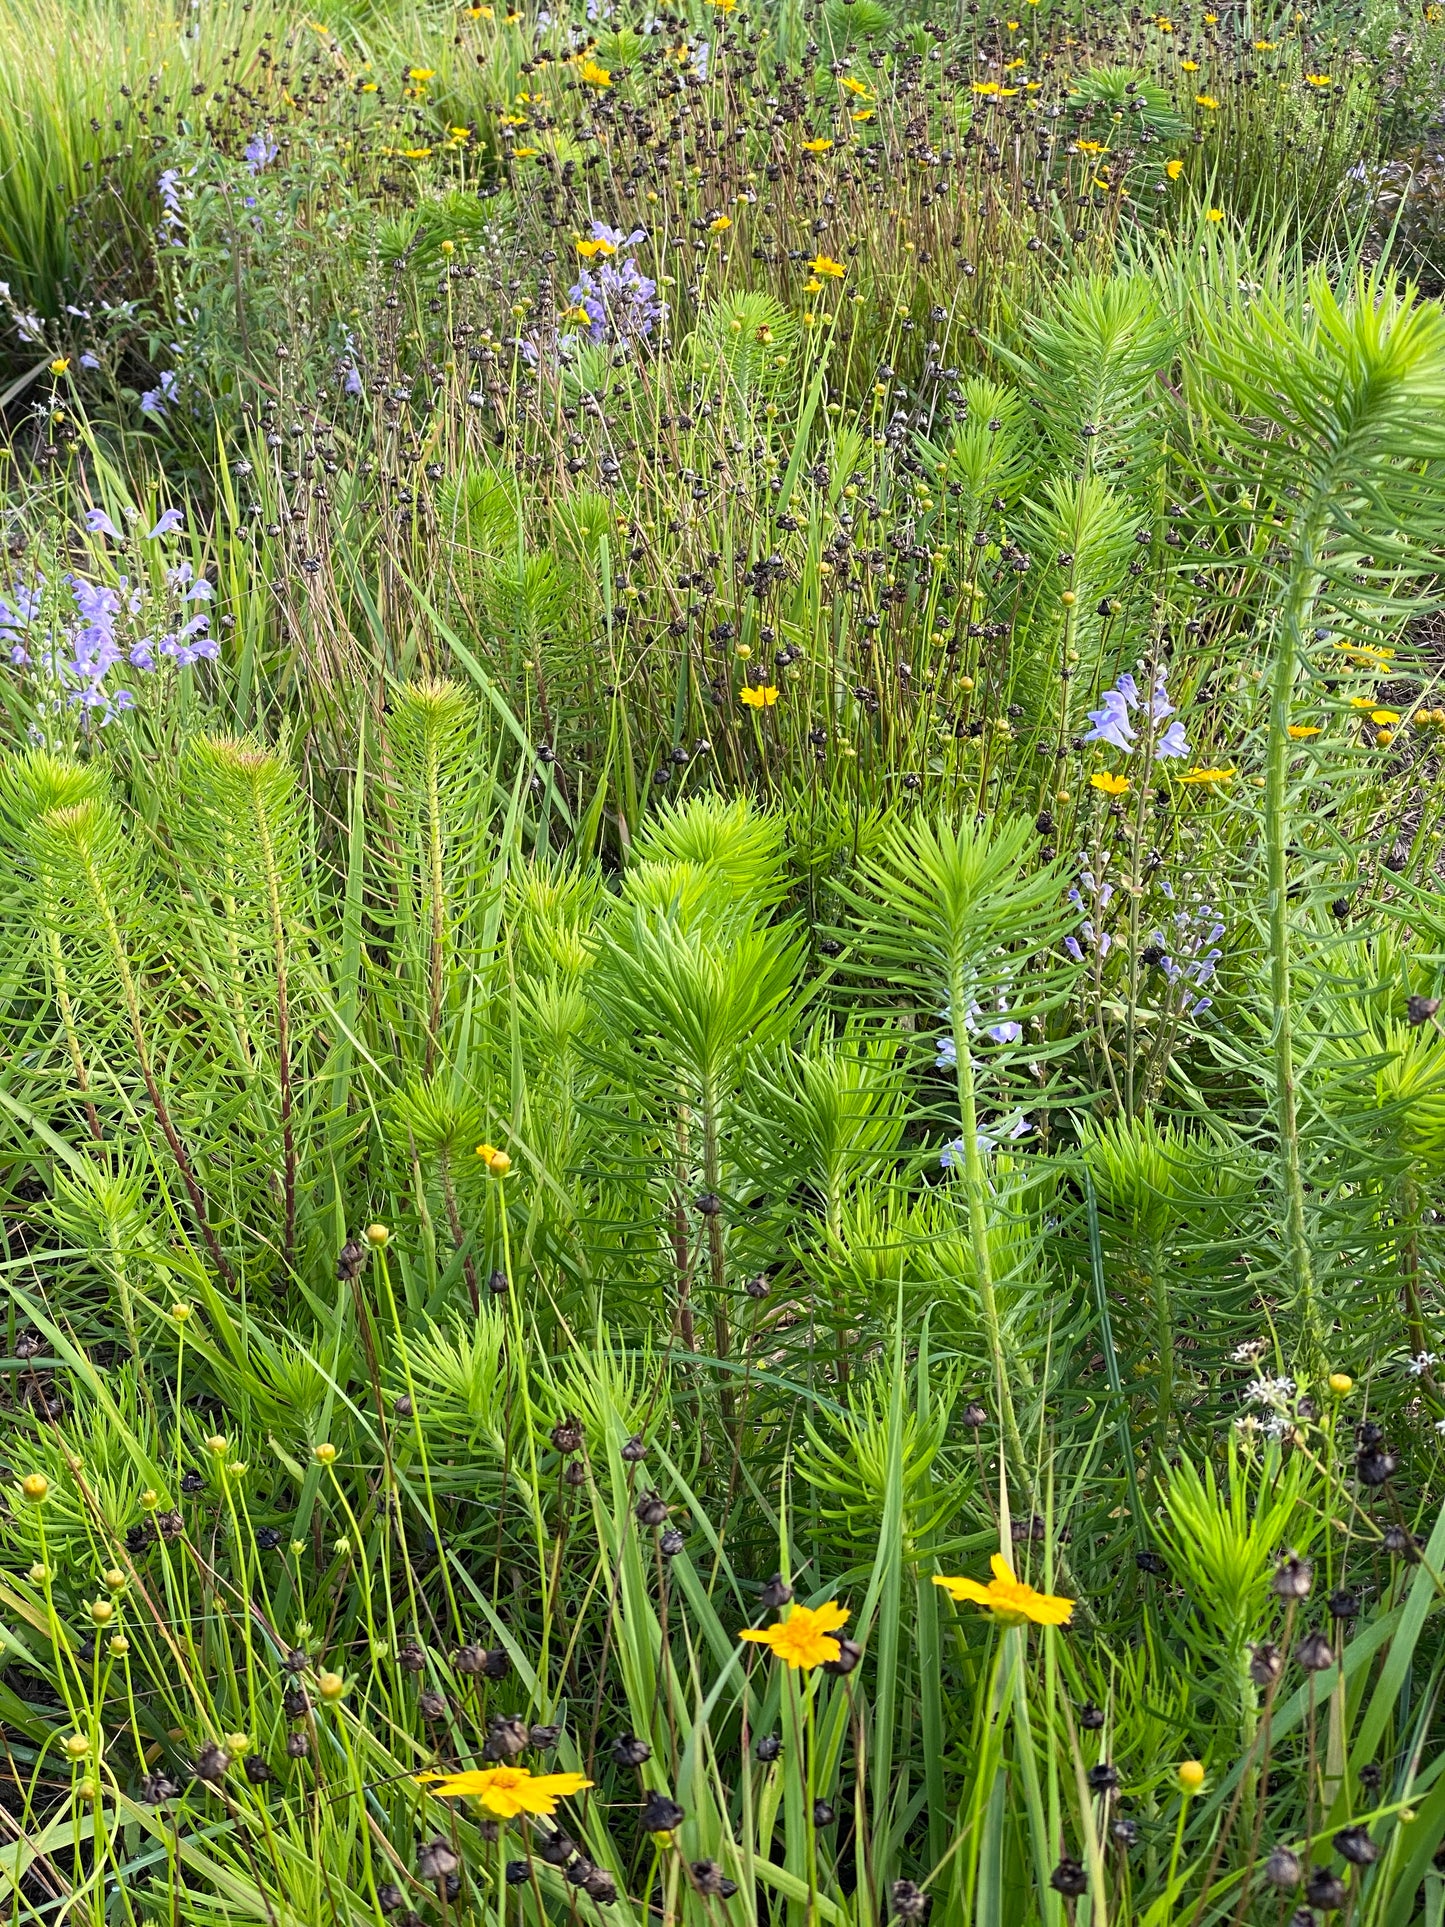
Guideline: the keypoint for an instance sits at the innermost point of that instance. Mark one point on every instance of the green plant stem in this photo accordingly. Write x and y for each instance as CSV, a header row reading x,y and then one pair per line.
x,y
1276,835
1164,1338
277,919
131,997
975,1184
717,1259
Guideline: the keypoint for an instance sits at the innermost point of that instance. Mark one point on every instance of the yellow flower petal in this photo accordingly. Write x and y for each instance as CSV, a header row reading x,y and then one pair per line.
x,y
507,1790
803,1639
1008,1598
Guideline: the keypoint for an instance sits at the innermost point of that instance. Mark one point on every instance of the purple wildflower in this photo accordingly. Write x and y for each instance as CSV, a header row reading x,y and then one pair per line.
x,y
1111,722
260,152
97,522
1006,1131
616,299
171,520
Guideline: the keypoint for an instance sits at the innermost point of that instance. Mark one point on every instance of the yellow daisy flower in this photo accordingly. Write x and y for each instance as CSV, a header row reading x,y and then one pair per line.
x,y
508,1790
804,1639
1009,1599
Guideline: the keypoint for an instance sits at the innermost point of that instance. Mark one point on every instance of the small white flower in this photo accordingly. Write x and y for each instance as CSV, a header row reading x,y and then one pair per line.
x,y
1421,1363
1269,1391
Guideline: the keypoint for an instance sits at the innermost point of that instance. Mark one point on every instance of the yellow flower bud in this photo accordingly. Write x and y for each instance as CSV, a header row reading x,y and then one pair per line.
x,y
115,1580
1191,1775
102,1611
377,1234
330,1686
34,1487
76,1746
1341,1384
325,1452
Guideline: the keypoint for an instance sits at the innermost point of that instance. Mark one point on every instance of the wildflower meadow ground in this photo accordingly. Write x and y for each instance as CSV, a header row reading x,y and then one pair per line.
x,y
722,939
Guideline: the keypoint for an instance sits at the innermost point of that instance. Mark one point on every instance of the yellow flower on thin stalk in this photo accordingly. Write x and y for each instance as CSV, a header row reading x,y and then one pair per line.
x,y
1008,1598
1205,100
592,75
1301,732
1319,80
804,1639
759,695
1209,776
1173,169
1108,783
1214,214
507,1791
822,264
819,146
